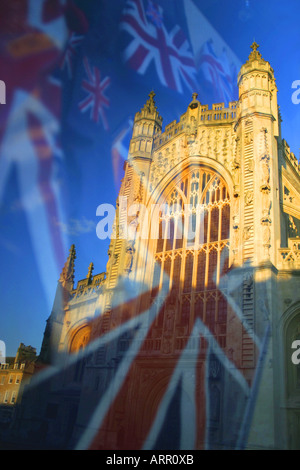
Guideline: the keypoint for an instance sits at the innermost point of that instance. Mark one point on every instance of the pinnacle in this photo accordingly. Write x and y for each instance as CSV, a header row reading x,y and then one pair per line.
x,y
255,54
90,271
151,103
68,270
72,251
254,46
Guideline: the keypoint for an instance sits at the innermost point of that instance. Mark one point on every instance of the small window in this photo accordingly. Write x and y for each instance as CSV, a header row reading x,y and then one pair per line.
x,y
10,381
13,397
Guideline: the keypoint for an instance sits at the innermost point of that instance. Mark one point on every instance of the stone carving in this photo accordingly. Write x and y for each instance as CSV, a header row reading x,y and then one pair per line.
x,y
266,206
235,171
133,227
193,147
128,258
217,144
138,191
247,232
249,198
225,144
265,173
266,235
203,143
169,321
292,229
250,167
249,138
266,201
191,129
209,144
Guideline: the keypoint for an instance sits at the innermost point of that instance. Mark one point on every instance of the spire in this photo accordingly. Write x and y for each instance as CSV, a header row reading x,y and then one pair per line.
x,y
67,274
90,272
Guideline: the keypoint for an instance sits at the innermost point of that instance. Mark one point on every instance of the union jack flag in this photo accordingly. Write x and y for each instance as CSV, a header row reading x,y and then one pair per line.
x,y
30,129
180,416
185,407
96,100
219,72
151,42
186,410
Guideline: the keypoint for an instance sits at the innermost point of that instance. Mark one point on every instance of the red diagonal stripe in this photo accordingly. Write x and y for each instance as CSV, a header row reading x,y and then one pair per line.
x,y
154,42
164,51
136,60
179,39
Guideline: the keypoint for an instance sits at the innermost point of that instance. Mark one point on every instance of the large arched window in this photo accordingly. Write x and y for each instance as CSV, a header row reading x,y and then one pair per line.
x,y
80,339
192,250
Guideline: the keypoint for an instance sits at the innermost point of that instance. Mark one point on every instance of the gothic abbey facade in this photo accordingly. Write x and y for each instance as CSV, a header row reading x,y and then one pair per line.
x,y
201,284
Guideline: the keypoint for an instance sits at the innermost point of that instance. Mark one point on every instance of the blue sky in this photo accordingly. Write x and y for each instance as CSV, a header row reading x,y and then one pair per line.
x,y
24,309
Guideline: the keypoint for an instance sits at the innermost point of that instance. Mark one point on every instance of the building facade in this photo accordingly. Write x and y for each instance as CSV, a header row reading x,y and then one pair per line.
x,y
15,375
186,340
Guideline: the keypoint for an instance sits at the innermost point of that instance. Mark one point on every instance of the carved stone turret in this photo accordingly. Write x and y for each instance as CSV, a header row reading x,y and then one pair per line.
x,y
257,87
147,123
257,132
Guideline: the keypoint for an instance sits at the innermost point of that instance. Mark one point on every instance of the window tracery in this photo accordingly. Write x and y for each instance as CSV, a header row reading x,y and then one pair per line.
x,y
192,250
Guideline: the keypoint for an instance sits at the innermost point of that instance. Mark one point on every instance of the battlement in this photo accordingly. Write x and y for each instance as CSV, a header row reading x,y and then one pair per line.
x,y
85,284
218,114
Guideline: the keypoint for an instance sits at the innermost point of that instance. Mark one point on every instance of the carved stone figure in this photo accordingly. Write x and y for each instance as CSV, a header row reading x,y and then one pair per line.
x,y
128,258
265,171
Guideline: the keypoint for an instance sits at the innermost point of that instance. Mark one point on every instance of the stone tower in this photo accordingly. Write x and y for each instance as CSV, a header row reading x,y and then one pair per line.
x,y
202,284
52,334
257,135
